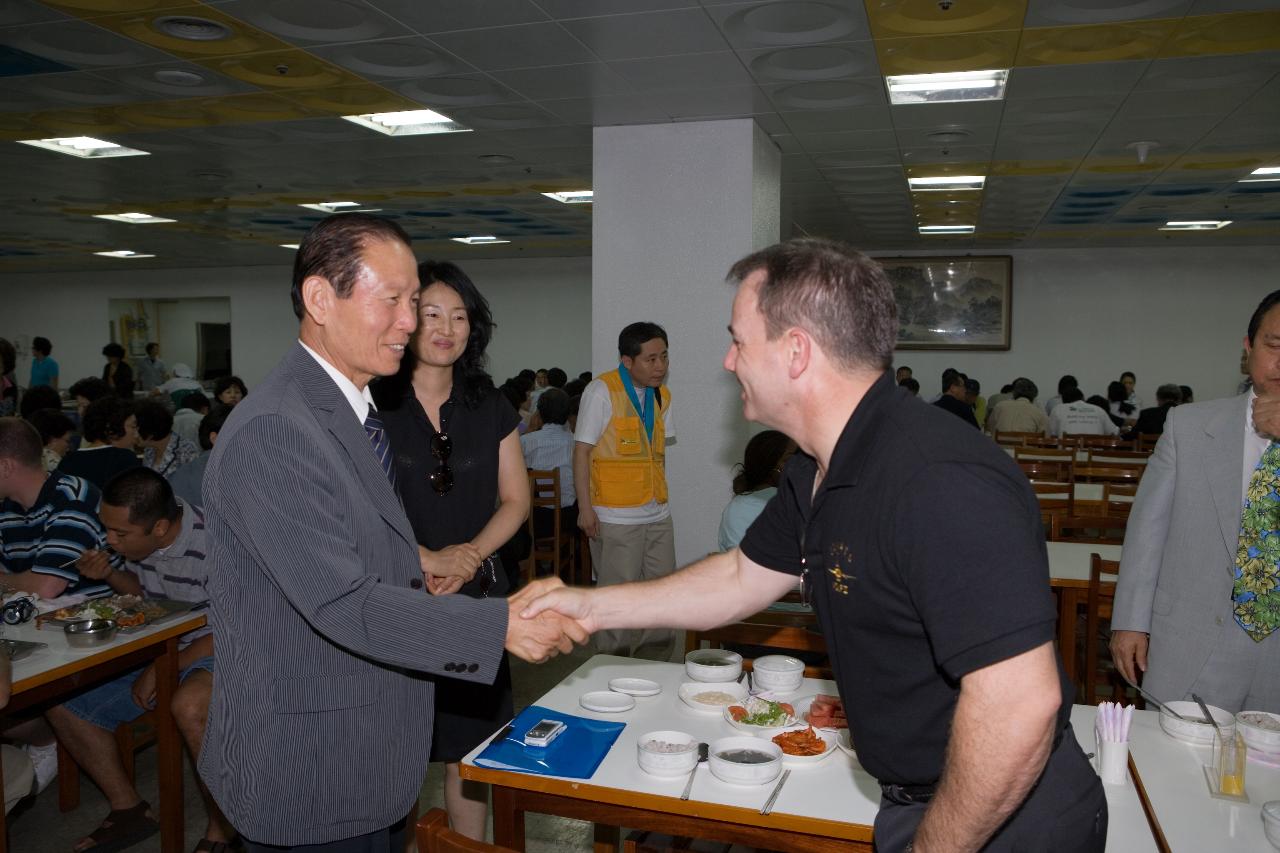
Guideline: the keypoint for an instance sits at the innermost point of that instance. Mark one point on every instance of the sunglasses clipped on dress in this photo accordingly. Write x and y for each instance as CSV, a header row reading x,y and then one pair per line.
x,y
441,479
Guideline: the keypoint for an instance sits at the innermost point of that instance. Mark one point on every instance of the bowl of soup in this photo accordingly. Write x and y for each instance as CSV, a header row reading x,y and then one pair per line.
x,y
745,760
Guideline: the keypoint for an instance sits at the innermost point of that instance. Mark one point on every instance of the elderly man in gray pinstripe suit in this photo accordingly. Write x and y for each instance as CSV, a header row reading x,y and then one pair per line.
x,y
329,649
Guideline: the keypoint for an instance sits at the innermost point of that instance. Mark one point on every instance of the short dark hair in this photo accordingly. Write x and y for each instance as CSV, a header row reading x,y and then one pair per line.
x,y
839,295
1187,395
575,386
195,401
91,388
1023,387
1128,373
585,376
51,424
527,374
41,345
514,393
1268,302
37,398
210,424
1072,394
20,442
553,406
972,386
334,250
146,494
911,385
634,337
950,378
152,345
1067,381
760,460
113,350
1169,393
225,382
557,378
154,420
104,419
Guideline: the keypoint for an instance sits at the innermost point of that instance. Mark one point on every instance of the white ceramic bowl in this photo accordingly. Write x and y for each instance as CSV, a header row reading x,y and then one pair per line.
x,y
778,673
728,770
713,665
1271,822
1194,730
691,690
1256,737
667,763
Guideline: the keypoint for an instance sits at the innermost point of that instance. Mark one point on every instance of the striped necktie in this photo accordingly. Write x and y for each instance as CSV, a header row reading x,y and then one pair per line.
x,y
1256,592
381,444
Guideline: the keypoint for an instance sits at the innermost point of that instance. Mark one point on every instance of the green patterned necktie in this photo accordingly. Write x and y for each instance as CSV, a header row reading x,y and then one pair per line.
x,y
1256,592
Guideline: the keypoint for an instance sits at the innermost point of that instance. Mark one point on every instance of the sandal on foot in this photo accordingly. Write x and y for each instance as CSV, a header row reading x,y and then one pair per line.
x,y
122,828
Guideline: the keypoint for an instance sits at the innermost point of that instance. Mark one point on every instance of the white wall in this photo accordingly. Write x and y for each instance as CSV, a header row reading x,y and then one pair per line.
x,y
178,320
1167,315
542,307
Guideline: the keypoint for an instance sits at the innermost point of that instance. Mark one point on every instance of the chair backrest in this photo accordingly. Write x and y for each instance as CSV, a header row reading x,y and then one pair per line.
x,y
1098,529
1043,470
557,548
435,836
1048,454
1086,441
1015,438
1124,457
1118,498
544,488
1109,472
1099,599
1146,440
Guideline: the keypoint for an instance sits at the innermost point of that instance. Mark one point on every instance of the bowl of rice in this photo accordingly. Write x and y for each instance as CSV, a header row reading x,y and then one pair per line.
x,y
667,753
712,697
1261,731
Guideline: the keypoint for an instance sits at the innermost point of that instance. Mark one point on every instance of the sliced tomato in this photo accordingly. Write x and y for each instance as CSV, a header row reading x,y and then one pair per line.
x,y
787,709
737,712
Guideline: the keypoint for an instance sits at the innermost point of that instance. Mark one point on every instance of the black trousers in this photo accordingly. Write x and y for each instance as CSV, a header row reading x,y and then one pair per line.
x,y
1065,812
388,840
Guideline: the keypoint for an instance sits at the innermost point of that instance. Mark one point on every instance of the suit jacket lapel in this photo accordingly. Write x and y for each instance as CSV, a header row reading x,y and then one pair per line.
x,y
1225,461
335,413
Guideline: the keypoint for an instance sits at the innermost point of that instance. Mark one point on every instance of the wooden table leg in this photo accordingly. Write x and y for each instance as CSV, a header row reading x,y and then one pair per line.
x,y
1068,606
169,751
605,838
508,819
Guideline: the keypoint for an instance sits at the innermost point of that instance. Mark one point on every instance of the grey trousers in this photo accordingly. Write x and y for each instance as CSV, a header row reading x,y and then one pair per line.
x,y
623,553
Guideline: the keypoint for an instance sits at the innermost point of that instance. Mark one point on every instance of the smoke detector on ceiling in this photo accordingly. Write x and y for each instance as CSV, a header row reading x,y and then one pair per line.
x,y
189,28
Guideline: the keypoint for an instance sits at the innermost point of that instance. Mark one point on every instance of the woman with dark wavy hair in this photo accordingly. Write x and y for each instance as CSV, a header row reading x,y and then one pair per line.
x,y
457,457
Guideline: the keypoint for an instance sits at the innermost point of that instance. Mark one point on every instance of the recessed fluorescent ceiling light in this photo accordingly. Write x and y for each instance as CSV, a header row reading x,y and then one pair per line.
x,y
83,146
946,183
1266,173
946,229
332,206
291,245
133,218
572,196
1196,225
408,122
944,88
123,253
478,241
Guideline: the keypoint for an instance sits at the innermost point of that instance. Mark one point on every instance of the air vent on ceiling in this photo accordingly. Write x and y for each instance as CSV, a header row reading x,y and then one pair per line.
x,y
190,28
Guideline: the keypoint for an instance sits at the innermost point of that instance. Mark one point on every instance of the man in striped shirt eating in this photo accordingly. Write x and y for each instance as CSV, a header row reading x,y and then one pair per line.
x,y
46,520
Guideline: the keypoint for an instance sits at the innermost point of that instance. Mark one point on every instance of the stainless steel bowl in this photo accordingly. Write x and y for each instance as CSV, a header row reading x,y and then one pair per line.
x,y
90,633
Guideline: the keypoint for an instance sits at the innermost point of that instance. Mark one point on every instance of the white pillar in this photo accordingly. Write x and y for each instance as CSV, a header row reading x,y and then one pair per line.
x,y
675,205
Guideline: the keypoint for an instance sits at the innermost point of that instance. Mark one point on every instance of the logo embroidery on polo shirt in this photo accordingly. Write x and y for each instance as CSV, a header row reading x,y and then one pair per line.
x,y
839,560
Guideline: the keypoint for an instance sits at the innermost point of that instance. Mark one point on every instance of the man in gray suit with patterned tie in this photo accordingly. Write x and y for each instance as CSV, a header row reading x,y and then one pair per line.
x,y
329,649
1196,603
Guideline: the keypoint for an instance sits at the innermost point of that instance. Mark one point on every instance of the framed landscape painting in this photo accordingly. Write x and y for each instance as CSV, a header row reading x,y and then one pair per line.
x,y
952,303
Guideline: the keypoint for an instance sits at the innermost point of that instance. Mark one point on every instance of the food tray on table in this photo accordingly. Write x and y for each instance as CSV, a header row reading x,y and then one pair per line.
x,y
130,612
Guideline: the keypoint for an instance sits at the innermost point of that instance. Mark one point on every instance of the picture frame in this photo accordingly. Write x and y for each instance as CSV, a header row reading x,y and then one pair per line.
x,y
961,302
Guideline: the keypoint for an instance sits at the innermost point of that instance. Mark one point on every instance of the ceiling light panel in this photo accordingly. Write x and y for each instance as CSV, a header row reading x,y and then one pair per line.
x,y
123,253
87,147
408,122
133,218
1196,225
946,183
946,229
482,240
947,88
571,196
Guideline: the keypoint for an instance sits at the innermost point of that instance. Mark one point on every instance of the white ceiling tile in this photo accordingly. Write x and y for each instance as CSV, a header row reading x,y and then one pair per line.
x,y
1188,102
654,34
791,22
611,110
729,102
1084,79
590,80
855,118
697,70
80,45
932,115
856,140
1050,13
943,135
857,159
190,81
437,16
1245,71
307,22
564,9
523,46
946,154
819,62
446,92
504,116
393,59
828,94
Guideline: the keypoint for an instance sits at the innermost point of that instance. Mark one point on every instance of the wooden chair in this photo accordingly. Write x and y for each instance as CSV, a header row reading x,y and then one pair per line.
x,y
1146,441
1084,441
558,548
1097,608
1055,499
1124,457
1016,439
1043,470
130,737
435,836
1028,453
779,630
1096,529
1117,498
1109,472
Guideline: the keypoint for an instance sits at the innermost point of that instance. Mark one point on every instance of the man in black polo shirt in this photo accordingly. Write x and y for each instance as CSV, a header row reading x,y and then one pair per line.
x,y
954,399
956,700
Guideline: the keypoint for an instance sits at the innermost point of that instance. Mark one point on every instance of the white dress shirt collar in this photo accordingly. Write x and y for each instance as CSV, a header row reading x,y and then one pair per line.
x,y
360,399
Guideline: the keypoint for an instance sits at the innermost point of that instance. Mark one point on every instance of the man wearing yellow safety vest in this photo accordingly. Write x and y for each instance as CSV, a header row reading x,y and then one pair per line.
x,y
624,424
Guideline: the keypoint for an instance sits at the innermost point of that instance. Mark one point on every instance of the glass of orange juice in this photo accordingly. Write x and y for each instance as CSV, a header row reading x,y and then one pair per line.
x,y
1229,760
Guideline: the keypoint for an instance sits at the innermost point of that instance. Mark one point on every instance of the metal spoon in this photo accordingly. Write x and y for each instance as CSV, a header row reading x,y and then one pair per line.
x,y
703,751
1154,701
1208,718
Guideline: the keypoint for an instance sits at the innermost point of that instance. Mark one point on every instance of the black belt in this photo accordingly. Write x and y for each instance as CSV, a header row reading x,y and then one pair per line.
x,y
906,795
